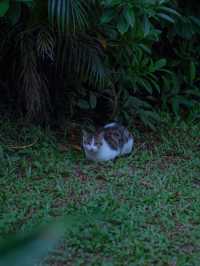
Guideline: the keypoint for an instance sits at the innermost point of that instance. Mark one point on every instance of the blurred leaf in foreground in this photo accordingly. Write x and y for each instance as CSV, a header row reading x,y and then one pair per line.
x,y
28,249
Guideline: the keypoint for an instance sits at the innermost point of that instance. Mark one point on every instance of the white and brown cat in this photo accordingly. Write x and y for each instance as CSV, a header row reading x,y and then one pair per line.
x,y
108,142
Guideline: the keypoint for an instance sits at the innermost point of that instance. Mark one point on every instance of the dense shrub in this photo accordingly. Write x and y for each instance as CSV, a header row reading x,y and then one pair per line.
x,y
136,57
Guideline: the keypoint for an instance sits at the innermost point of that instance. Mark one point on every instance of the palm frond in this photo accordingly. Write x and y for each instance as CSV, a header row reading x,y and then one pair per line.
x,y
33,88
69,15
45,44
83,56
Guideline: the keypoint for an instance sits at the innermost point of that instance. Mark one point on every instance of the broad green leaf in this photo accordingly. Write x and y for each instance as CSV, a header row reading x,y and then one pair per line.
x,y
107,16
145,84
160,64
145,48
4,6
122,25
195,20
83,104
155,84
147,26
165,17
169,10
129,15
162,2
112,33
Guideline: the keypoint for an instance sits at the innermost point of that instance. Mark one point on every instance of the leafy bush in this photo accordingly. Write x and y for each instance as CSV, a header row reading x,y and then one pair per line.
x,y
138,57
156,61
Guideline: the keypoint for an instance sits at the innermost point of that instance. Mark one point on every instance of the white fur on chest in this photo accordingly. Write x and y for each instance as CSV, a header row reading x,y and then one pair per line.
x,y
105,153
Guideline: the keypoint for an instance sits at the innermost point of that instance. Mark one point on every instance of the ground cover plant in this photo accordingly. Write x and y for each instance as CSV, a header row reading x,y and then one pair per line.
x,y
148,203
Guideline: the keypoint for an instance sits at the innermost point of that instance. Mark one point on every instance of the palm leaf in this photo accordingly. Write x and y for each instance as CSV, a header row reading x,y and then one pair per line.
x,y
82,56
33,87
45,43
69,15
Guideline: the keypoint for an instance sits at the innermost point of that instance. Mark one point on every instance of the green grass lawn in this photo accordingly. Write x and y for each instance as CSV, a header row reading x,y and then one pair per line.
x,y
149,202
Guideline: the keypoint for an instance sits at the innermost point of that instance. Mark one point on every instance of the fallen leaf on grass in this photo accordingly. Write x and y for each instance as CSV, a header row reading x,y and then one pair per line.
x,y
76,147
62,147
146,183
100,177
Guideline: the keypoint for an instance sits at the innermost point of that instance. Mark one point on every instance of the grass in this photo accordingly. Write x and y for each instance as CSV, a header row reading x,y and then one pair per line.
x,y
149,202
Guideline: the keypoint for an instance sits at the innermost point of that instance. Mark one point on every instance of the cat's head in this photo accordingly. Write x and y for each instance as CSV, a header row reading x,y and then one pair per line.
x,y
92,142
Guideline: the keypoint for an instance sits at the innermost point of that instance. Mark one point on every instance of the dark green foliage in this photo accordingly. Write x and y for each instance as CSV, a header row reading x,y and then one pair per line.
x,y
52,59
69,16
131,58
156,64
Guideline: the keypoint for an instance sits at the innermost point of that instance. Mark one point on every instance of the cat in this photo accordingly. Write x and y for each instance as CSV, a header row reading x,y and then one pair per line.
x,y
107,143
